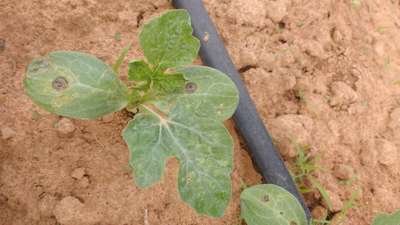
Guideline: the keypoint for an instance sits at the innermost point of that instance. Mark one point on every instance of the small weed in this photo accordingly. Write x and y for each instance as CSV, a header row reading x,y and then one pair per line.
x,y
300,24
299,94
386,64
356,3
243,184
304,170
381,29
117,36
349,204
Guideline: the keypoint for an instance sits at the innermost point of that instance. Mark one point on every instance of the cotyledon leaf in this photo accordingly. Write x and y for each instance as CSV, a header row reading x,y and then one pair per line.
x,y
75,84
207,93
175,126
167,40
387,219
269,204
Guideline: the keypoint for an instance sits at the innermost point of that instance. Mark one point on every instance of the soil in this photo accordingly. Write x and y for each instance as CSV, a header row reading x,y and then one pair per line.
x,y
323,73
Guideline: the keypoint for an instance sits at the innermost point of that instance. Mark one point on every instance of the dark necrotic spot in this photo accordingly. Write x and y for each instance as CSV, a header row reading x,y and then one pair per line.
x,y
38,65
265,198
293,223
190,87
60,83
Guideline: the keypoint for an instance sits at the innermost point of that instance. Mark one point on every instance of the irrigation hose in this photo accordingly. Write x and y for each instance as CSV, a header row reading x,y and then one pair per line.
x,y
248,122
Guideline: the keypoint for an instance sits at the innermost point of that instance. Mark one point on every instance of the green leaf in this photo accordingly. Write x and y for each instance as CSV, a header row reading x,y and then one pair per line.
x,y
208,93
387,219
139,71
168,83
173,126
161,83
74,84
167,40
203,147
270,204
120,60
322,191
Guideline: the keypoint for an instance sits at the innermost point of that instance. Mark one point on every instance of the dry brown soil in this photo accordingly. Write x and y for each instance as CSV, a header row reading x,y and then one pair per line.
x,y
322,72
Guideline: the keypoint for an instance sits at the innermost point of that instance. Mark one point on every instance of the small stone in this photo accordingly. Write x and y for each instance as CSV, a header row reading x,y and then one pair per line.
x,y
291,131
247,58
46,205
78,173
7,133
319,213
84,182
343,94
276,11
65,127
68,210
388,152
250,12
343,172
108,118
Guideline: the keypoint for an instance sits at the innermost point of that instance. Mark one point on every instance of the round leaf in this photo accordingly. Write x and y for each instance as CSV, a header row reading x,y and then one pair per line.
x,y
75,85
167,40
387,219
207,93
270,204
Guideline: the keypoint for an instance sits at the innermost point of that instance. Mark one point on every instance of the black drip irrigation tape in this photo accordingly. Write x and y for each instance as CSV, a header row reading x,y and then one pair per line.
x,y
251,127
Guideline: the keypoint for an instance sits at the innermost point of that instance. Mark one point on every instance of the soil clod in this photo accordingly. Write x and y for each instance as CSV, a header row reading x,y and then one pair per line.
x,y
65,127
7,133
2,45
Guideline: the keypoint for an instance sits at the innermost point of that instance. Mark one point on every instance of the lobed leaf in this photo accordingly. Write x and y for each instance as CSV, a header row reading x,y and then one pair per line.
x,y
167,40
387,219
176,126
270,204
75,84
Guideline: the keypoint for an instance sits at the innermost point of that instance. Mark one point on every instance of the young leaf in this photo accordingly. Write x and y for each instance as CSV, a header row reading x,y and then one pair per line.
x,y
75,85
161,83
387,219
121,58
168,83
175,126
270,204
167,40
139,71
